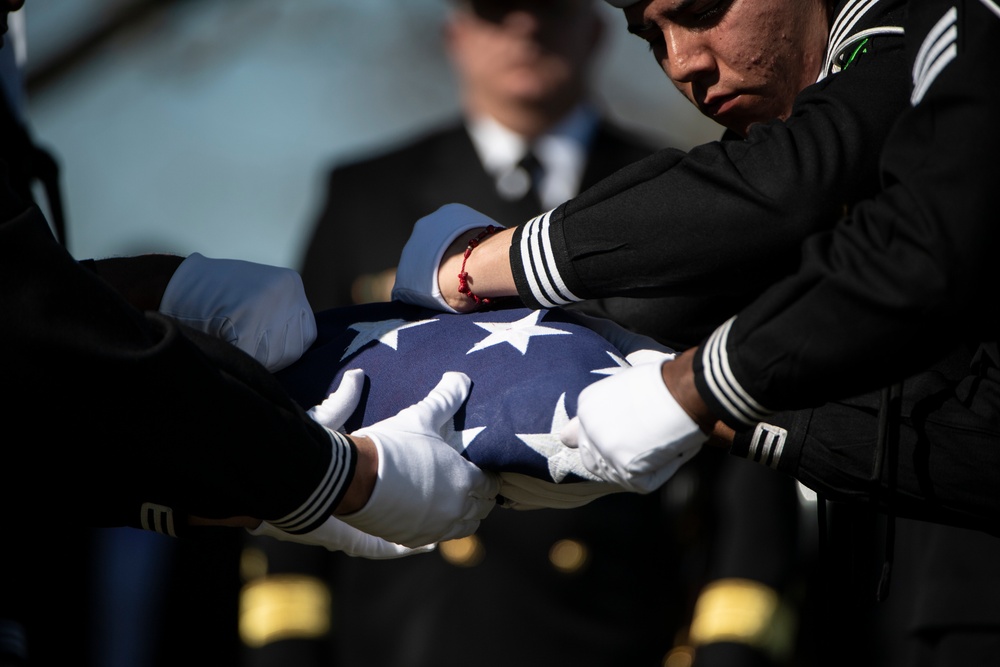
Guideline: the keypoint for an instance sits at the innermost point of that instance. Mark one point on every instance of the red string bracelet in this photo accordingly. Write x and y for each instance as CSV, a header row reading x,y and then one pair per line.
x,y
463,277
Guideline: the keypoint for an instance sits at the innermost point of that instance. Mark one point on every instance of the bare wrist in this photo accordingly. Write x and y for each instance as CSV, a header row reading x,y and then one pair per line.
x,y
678,376
486,270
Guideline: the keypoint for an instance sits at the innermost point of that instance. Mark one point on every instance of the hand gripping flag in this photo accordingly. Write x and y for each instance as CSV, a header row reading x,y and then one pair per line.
x,y
527,368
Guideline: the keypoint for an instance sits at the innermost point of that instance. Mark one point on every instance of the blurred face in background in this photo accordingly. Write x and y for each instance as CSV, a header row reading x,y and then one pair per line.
x,y
739,61
6,7
522,52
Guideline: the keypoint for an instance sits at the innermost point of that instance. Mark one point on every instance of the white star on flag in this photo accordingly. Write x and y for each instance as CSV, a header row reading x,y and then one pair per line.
x,y
517,333
385,332
562,459
612,369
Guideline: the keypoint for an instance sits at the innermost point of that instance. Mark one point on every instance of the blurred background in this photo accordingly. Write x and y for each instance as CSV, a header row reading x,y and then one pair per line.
x,y
208,125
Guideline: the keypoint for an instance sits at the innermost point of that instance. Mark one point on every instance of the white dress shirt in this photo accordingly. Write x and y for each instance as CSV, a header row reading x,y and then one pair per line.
x,y
562,153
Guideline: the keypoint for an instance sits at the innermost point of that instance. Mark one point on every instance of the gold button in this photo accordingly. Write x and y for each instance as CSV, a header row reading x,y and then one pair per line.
x,y
568,556
463,552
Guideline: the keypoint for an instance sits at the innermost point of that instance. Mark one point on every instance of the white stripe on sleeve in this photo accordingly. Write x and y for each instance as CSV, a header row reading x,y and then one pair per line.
x,y
318,503
723,383
539,263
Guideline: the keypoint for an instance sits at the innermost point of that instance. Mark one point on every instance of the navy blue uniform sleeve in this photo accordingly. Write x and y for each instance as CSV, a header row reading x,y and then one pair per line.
x,y
116,417
905,278
728,217
896,292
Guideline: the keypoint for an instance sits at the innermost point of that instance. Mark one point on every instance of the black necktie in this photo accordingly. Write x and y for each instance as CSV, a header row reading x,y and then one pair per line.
x,y
521,183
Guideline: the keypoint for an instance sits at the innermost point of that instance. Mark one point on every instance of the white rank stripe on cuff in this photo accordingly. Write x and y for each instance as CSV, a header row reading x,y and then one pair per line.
x,y
319,504
767,444
157,518
723,383
539,263
939,48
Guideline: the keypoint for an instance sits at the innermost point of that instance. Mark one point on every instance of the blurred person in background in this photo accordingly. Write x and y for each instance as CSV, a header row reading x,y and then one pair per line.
x,y
532,134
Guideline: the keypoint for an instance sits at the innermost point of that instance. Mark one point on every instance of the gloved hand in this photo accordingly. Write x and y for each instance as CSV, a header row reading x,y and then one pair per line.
x,y
417,273
631,431
335,535
425,491
336,408
638,349
260,309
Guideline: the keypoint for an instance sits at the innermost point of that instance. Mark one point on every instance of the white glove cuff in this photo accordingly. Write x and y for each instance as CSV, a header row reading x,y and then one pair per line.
x,y
435,232
633,432
375,514
267,530
645,357
662,419
335,535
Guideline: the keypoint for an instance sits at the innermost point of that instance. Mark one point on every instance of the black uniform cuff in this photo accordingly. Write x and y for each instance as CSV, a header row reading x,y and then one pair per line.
x,y
776,443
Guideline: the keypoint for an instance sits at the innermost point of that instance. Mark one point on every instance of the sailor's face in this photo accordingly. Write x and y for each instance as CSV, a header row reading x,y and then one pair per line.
x,y
739,61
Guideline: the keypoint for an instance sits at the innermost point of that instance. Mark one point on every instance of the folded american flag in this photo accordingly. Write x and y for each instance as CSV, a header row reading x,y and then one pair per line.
x,y
527,368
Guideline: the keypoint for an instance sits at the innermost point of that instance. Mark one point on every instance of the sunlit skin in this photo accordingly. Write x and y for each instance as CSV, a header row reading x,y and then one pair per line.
x,y
523,63
739,61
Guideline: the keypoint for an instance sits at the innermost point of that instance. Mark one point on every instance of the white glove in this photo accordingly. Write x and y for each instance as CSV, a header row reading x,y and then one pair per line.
x,y
335,535
417,273
631,431
336,408
638,349
260,309
426,491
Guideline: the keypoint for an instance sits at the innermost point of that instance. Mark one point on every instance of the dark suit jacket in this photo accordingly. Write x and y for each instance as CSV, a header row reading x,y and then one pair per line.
x,y
392,191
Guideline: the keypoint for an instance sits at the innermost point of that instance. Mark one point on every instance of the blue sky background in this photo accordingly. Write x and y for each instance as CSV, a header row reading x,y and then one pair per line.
x,y
209,124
